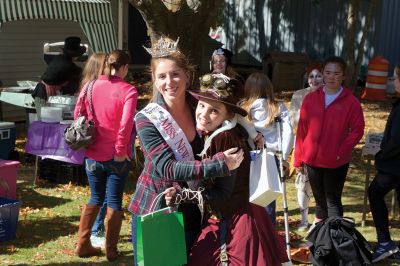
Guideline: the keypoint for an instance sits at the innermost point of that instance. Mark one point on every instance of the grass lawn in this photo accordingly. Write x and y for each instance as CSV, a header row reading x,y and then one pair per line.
x,y
49,215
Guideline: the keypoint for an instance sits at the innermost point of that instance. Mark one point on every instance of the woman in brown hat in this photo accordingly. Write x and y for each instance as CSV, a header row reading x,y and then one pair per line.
x,y
235,230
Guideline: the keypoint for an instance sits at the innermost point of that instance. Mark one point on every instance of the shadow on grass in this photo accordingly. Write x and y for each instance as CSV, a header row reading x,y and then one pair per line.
x,y
32,233
30,197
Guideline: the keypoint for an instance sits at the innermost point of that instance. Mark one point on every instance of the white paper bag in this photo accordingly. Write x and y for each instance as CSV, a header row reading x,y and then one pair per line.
x,y
265,185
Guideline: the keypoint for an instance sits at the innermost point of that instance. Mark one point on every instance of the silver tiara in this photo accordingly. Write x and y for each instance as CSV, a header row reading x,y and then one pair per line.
x,y
163,47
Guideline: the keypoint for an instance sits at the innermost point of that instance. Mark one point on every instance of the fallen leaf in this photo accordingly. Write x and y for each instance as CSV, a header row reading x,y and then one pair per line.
x,y
66,251
293,236
11,248
39,256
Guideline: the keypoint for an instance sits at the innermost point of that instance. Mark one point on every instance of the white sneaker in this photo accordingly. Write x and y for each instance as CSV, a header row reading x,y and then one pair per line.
x,y
98,241
302,227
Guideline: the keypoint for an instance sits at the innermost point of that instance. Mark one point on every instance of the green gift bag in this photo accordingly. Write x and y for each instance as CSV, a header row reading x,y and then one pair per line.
x,y
161,239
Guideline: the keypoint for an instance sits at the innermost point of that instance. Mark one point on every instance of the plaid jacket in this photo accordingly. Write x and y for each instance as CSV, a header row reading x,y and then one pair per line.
x,y
161,170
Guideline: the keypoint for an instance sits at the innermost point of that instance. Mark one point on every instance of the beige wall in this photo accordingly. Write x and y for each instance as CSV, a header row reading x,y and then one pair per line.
x,y
21,52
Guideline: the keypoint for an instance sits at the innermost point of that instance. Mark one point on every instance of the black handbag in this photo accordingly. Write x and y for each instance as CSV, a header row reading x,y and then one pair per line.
x,y
82,132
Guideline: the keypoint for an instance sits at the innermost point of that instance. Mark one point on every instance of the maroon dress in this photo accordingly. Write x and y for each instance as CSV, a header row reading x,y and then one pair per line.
x,y
250,236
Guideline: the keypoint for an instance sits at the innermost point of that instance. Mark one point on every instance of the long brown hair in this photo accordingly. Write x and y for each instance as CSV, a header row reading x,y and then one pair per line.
x,y
93,68
115,60
180,60
259,86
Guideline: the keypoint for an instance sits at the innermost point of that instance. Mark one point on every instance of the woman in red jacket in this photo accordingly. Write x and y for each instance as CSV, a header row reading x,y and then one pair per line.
x,y
331,123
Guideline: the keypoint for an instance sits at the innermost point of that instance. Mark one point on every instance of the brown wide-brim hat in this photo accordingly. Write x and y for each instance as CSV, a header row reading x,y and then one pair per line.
x,y
220,88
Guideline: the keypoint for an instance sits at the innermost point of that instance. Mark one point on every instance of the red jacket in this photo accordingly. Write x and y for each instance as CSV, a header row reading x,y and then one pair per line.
x,y
326,137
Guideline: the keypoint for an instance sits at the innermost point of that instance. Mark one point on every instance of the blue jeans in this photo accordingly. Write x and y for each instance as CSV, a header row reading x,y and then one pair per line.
x,y
98,228
271,210
106,178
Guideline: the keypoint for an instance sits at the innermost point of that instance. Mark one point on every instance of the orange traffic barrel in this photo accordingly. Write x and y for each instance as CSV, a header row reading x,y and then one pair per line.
x,y
377,78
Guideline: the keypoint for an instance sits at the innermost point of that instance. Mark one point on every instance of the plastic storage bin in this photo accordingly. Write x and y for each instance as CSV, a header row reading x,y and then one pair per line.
x,y
7,138
8,178
9,211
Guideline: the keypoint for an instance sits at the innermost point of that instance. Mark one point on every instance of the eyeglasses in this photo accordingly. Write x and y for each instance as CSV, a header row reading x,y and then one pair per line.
x,y
392,78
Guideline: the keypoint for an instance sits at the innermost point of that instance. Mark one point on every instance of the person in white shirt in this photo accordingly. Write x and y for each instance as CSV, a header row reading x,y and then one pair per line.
x,y
263,108
315,80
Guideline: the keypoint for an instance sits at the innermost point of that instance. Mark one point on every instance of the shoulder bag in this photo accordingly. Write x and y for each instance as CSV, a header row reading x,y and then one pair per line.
x,y
82,132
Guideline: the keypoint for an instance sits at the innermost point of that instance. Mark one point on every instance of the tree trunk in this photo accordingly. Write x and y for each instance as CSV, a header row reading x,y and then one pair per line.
x,y
361,48
354,6
191,23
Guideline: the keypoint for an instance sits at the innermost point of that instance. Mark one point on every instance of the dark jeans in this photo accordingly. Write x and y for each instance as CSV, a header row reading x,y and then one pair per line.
x,y
379,187
106,178
327,186
98,228
271,210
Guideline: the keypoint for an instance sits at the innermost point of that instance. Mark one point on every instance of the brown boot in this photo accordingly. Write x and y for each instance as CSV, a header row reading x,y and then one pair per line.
x,y
114,222
84,247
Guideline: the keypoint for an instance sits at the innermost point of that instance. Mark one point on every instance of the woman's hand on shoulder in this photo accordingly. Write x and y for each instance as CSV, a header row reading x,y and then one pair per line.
x,y
233,158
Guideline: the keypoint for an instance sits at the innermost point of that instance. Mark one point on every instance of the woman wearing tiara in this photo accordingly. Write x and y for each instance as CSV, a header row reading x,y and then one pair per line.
x,y
164,165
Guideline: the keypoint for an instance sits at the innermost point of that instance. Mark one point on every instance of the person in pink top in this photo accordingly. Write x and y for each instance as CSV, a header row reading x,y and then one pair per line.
x,y
331,123
107,159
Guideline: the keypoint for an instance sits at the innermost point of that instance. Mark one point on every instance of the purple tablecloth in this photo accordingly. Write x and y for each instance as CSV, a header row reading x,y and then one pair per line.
x,y
47,140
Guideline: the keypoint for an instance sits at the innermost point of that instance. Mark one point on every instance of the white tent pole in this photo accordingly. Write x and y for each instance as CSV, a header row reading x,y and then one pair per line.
x,y
120,24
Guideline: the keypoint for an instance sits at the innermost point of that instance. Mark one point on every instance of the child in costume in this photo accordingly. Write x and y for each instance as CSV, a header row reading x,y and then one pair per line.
x,y
314,79
263,108
234,231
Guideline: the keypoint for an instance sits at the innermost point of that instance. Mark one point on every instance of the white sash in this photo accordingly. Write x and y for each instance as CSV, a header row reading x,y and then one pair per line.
x,y
175,138
170,131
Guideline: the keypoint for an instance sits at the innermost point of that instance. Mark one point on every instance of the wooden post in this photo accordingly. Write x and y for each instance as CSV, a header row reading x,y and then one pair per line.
x,y
394,200
367,175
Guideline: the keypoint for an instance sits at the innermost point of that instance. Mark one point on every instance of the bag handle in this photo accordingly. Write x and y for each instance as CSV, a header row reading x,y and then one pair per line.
x,y
88,87
155,201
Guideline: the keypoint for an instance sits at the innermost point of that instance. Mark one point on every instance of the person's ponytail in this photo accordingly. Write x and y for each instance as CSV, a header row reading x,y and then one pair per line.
x,y
114,61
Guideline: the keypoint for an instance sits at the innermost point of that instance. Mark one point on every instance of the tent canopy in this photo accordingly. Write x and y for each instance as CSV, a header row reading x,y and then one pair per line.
x,y
94,16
